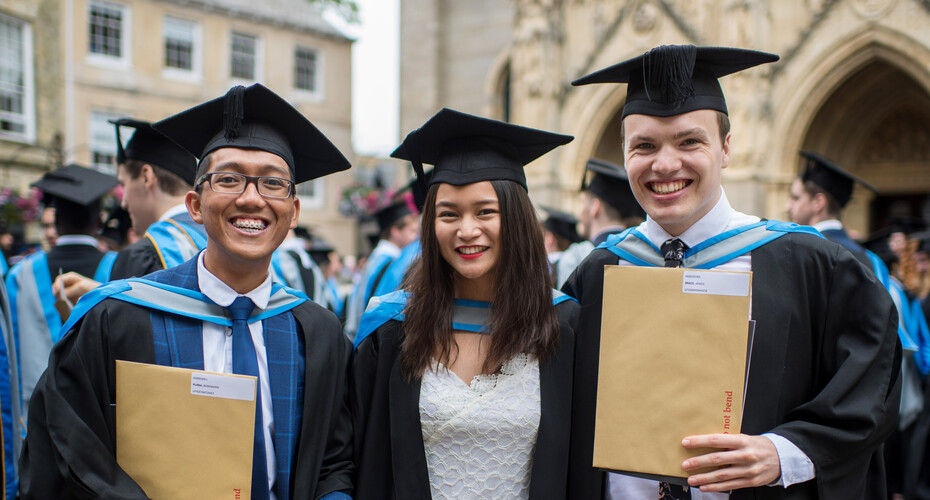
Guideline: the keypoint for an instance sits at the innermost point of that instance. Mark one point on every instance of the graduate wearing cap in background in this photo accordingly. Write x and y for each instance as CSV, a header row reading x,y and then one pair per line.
x,y
477,310
607,207
398,226
254,147
291,265
560,230
76,193
823,387
397,269
329,263
818,196
155,174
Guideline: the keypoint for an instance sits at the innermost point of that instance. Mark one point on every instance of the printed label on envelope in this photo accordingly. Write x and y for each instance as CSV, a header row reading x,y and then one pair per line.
x,y
220,386
715,283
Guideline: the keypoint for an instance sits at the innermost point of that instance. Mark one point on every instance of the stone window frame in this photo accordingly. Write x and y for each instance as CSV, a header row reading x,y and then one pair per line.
x,y
124,34
256,57
174,26
314,91
101,140
17,81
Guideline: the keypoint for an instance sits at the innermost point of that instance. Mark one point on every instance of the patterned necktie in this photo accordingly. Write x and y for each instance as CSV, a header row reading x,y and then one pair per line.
x,y
674,252
673,492
245,362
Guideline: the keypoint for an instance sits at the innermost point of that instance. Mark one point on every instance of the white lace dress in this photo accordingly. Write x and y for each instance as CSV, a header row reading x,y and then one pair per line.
x,y
479,439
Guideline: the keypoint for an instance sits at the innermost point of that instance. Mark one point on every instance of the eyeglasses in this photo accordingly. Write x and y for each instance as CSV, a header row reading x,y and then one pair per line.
x,y
234,183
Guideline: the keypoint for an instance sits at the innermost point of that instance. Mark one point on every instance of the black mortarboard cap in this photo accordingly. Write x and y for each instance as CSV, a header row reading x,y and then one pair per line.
x,y
465,148
391,214
562,224
147,145
610,183
117,225
80,185
676,79
418,187
255,118
302,232
830,177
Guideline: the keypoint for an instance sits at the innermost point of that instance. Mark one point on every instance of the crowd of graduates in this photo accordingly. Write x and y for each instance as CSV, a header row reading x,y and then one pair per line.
x,y
360,369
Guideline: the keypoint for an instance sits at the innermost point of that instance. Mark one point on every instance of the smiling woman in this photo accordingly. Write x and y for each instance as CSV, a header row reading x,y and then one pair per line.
x,y
478,367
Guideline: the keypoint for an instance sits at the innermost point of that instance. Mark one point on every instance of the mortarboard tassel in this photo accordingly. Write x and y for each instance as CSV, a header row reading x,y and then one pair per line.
x,y
668,70
233,112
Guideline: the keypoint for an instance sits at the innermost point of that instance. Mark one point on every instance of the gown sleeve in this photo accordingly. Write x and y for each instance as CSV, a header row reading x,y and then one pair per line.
x,y
70,449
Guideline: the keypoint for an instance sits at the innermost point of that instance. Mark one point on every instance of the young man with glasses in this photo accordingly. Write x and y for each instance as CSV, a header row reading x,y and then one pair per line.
x,y
253,147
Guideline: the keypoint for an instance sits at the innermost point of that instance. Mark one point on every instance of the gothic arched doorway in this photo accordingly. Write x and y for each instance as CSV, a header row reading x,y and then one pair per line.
x,y
876,124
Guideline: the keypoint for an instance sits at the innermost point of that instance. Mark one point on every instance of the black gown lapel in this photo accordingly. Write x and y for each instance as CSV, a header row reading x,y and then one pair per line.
x,y
548,478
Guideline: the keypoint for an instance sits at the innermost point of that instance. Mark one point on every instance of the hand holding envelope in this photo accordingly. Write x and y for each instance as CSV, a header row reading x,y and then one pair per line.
x,y
673,363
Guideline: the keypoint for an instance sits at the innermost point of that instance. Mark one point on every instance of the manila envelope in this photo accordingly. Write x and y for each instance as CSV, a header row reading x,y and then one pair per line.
x,y
673,363
185,433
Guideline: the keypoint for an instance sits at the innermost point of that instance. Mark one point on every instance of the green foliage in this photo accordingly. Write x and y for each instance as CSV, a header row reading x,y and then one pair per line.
x,y
347,9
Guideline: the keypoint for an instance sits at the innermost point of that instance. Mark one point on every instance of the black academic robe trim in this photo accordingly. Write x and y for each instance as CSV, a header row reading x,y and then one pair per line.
x,y
823,374
390,457
70,449
135,260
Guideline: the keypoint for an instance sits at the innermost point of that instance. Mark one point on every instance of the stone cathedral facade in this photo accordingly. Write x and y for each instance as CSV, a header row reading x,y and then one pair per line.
x,y
853,84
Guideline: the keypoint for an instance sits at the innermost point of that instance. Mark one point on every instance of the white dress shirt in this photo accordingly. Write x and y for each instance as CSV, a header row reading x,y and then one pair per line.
x,y
796,466
217,348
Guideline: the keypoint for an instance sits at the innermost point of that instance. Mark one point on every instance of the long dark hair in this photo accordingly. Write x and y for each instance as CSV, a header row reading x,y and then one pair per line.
x,y
522,317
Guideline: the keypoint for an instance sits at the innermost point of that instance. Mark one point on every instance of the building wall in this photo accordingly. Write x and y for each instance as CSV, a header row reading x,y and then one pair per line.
x,y
851,71
72,83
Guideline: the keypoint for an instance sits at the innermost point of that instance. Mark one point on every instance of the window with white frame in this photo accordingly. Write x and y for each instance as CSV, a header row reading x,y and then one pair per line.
x,y
17,109
182,45
103,141
244,50
107,31
311,193
307,69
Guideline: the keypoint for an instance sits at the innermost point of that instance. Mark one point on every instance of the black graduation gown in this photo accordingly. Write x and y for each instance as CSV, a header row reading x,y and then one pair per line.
x,y
389,454
137,259
83,259
70,450
823,374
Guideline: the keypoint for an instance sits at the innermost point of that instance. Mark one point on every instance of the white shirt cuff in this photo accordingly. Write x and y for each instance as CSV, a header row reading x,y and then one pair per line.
x,y
796,466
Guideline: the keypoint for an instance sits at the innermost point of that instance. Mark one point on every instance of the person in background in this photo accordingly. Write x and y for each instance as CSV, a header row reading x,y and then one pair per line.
x,y
398,226
327,259
461,381
76,193
47,222
607,208
292,265
824,384
218,312
560,230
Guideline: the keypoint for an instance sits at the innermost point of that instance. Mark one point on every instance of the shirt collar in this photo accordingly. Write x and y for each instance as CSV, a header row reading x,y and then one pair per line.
x,y
826,225
720,218
223,295
386,247
178,209
76,239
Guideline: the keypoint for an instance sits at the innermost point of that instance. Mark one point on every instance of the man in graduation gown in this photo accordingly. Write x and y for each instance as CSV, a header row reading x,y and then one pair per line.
x,y
75,192
607,207
818,196
398,226
823,386
155,174
252,157
292,265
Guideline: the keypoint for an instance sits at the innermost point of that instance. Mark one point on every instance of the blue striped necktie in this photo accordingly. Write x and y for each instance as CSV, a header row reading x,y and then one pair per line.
x,y
245,362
